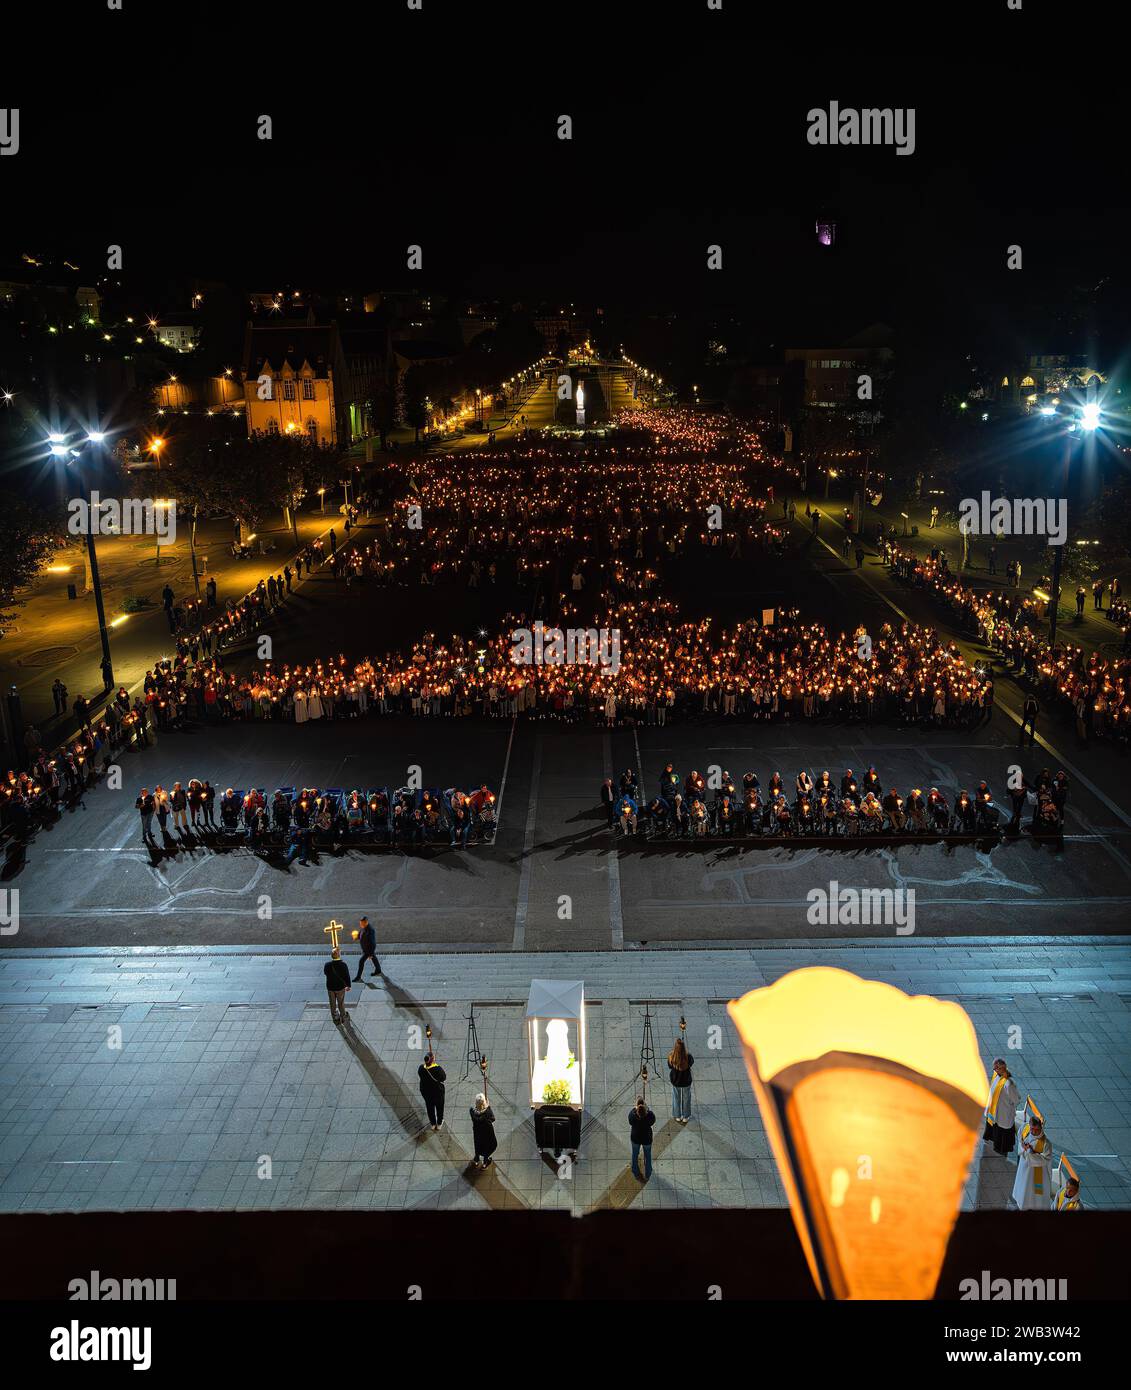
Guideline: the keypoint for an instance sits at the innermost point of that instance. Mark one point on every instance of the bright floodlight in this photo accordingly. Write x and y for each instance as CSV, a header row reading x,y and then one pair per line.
x,y
1090,416
59,450
1048,410
56,439
95,437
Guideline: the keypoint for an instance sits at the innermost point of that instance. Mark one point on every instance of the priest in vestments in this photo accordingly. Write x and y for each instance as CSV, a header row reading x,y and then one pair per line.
x,y
1032,1188
1068,1198
1001,1109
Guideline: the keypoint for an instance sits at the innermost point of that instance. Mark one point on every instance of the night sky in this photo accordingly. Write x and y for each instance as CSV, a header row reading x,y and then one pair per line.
x,y
689,129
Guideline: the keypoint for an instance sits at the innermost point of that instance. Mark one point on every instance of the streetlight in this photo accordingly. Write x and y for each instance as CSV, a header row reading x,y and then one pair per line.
x,y
155,447
1089,422
94,439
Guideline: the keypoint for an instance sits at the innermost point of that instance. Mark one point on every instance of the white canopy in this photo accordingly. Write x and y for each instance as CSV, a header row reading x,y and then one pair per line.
x,y
556,999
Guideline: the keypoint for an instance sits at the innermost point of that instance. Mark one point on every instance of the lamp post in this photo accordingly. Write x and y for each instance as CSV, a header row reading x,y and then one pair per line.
x,y
1089,422
59,449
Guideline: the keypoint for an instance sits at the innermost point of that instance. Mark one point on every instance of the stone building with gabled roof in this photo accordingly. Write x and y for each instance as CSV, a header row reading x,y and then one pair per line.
x,y
293,378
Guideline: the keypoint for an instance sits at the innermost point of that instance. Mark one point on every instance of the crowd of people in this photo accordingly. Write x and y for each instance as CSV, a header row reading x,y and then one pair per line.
x,y
1094,688
855,804
300,819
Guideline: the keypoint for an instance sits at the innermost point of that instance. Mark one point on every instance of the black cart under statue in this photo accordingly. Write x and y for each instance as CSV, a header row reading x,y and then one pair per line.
x,y
555,1032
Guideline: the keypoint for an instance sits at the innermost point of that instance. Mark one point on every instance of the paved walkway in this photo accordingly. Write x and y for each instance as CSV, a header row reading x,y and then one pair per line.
x,y
229,1087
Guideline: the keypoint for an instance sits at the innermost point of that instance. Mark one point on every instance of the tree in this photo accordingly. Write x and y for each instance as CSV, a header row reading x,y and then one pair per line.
x,y
200,477
29,536
381,404
415,397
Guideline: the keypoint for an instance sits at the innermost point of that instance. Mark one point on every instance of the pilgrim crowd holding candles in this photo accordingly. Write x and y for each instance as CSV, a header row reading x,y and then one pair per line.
x,y
1095,689
823,805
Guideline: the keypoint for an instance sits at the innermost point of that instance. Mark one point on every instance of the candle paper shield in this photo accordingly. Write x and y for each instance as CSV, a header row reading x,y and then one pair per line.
x,y
872,1100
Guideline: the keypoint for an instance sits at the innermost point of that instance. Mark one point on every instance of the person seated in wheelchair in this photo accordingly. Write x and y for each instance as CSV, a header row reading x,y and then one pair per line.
x,y
1046,817
482,804
986,814
726,788
229,810
726,818
751,820
894,810
939,810
355,812
680,816
628,783
750,783
626,809
781,817
823,786
849,786
965,813
460,824
378,814
695,787
871,783
849,816
281,812
804,816
430,813
826,813
659,816
804,784
418,826
776,787
325,814
257,823
871,814
699,821
916,810
303,809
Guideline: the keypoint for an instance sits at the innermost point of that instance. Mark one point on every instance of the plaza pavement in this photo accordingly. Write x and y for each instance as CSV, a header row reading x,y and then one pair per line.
x,y
228,1058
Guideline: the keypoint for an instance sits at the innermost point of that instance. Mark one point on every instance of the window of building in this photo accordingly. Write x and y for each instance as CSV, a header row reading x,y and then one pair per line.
x,y
288,390
312,430
307,389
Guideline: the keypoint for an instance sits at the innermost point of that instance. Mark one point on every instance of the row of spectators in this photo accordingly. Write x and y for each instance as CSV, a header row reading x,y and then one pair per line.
x,y
819,806
1094,688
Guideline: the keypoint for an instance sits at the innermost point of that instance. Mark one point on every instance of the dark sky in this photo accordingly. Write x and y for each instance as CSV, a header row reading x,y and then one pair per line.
x,y
689,129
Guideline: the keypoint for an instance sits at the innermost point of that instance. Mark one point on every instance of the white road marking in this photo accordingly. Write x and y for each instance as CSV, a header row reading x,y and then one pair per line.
x,y
612,861
503,783
522,902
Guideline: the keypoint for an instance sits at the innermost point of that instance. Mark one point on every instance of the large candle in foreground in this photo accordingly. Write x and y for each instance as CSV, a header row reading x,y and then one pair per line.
x,y
872,1100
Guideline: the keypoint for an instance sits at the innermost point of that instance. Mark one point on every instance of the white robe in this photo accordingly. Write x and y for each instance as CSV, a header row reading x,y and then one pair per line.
x,y
300,706
1031,1169
314,705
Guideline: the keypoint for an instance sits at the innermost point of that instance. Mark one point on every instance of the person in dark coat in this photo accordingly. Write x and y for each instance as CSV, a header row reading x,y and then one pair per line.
x,y
680,1062
640,1122
432,1078
367,940
483,1131
338,980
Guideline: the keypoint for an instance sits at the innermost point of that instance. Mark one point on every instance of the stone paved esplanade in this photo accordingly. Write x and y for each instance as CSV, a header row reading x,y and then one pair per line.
x,y
228,1057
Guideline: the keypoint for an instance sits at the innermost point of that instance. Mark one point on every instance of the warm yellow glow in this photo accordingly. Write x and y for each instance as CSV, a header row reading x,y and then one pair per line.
x,y
59,569
119,620
872,1100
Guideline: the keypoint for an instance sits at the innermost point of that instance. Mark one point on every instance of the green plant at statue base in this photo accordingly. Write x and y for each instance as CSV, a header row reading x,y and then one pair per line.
x,y
135,603
556,1092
